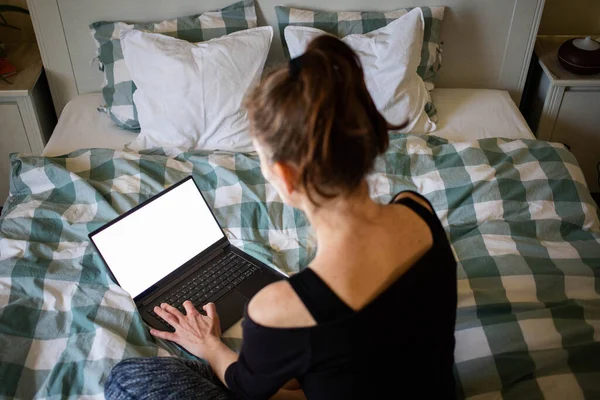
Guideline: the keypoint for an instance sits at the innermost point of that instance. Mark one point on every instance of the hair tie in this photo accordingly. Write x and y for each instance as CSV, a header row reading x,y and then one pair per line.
x,y
295,66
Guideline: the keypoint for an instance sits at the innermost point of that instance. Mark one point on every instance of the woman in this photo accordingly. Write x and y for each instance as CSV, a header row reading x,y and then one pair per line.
x,y
373,315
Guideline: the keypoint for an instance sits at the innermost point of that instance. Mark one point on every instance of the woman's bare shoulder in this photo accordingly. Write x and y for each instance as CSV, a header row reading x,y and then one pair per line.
x,y
413,196
278,306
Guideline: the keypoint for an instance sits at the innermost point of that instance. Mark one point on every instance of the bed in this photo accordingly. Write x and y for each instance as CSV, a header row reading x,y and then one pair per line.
x,y
522,224
463,114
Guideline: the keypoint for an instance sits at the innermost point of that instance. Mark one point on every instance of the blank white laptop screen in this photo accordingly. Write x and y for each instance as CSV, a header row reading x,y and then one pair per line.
x,y
158,238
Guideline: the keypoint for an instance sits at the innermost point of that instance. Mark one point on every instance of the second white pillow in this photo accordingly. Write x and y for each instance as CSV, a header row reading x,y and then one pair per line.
x,y
390,57
189,95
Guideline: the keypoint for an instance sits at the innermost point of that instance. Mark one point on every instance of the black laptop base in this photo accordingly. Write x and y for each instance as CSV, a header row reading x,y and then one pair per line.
x,y
229,280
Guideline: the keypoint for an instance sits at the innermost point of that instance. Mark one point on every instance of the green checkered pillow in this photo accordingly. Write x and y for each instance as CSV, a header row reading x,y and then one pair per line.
x,y
118,88
346,23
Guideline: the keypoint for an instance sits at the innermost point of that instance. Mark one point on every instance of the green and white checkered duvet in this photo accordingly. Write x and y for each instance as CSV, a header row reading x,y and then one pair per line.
x,y
522,224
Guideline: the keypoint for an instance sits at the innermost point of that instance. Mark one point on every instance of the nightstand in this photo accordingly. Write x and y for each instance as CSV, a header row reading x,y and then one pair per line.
x,y
27,115
564,107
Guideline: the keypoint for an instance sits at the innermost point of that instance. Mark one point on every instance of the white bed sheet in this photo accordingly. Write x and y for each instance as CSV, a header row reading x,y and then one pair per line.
x,y
470,114
463,115
82,126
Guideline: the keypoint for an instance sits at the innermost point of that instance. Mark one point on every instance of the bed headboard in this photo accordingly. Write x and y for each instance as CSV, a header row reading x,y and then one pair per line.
x,y
487,43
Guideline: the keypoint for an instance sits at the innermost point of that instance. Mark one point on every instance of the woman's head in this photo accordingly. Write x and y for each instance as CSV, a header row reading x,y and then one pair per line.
x,y
315,125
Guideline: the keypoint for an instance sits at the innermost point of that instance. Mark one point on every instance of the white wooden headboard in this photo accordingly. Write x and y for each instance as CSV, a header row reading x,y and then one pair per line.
x,y
487,43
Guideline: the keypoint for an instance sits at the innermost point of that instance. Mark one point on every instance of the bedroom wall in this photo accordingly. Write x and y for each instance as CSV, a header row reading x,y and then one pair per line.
x,y
570,17
23,21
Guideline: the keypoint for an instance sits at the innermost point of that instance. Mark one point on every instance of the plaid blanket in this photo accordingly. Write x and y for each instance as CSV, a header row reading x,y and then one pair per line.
x,y
521,221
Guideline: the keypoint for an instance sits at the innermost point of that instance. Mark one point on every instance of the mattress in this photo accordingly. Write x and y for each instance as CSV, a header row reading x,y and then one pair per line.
x,y
463,115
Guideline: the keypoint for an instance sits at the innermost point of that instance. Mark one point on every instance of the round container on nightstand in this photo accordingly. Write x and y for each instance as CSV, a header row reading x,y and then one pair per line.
x,y
580,56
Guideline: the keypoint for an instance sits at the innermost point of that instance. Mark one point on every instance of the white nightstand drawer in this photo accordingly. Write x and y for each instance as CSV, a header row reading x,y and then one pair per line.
x,y
13,138
27,115
578,126
563,107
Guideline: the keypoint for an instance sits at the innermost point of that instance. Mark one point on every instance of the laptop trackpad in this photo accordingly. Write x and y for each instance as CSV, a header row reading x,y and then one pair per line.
x,y
230,309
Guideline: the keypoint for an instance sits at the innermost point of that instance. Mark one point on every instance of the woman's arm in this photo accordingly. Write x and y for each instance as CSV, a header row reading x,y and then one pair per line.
x,y
220,357
292,384
291,390
284,394
199,334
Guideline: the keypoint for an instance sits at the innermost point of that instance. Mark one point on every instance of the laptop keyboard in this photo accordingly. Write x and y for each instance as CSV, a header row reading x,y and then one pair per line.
x,y
210,284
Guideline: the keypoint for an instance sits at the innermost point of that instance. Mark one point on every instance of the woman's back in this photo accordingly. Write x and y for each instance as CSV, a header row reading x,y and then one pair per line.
x,y
400,341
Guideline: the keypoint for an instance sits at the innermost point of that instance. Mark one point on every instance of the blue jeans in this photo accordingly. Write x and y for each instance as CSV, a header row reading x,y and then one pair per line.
x,y
164,378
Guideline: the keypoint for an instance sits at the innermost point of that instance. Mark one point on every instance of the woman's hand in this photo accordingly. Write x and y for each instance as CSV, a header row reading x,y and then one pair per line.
x,y
199,334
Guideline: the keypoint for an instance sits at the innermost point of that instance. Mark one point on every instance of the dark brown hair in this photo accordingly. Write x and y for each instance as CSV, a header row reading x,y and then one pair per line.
x,y
317,115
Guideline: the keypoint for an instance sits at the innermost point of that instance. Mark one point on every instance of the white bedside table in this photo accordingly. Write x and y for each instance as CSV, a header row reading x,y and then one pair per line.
x,y
27,115
565,107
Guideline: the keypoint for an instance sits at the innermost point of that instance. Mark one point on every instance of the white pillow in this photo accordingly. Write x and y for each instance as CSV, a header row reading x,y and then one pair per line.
x,y
189,95
390,57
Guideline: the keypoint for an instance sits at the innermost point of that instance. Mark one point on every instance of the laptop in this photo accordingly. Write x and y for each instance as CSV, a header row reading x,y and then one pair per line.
x,y
171,248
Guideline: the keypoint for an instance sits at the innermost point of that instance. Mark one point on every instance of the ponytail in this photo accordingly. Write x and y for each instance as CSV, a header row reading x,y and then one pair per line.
x,y
317,114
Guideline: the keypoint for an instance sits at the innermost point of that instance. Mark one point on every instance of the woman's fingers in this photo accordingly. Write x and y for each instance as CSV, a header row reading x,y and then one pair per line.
x,y
163,335
167,315
211,310
189,308
169,308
